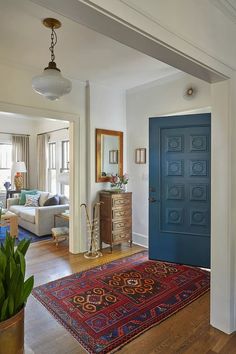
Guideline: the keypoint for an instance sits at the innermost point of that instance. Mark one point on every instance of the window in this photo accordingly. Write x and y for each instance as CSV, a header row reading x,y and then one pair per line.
x,y
58,167
65,190
52,173
52,155
5,164
65,160
65,155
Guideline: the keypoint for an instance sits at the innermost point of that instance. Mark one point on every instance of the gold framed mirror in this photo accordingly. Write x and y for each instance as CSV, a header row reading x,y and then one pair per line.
x,y
109,154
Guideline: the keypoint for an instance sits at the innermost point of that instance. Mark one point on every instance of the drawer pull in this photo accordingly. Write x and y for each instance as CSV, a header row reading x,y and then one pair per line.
x,y
121,213
121,225
123,236
117,214
119,202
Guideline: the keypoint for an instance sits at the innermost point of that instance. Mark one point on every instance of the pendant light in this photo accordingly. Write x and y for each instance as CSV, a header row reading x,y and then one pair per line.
x,y
51,83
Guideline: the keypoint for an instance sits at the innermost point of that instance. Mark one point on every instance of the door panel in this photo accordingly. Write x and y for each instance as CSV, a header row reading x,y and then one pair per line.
x,y
179,212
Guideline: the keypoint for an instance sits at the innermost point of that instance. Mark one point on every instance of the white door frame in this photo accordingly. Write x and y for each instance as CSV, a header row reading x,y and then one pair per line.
x,y
76,241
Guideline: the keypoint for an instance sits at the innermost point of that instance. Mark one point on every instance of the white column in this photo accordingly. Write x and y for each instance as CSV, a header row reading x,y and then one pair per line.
x,y
77,241
222,233
232,101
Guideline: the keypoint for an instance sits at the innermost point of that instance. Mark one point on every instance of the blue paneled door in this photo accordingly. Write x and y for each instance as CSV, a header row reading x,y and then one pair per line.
x,y
180,189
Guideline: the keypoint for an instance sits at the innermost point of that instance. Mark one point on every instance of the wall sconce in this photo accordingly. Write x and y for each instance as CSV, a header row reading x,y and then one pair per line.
x,y
113,156
140,155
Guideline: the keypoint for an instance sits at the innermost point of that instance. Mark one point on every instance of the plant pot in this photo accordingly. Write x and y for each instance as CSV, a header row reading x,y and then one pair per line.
x,y
12,334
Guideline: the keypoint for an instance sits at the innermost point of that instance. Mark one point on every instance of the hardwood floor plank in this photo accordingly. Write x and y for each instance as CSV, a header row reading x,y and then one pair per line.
x,y
230,346
186,332
221,340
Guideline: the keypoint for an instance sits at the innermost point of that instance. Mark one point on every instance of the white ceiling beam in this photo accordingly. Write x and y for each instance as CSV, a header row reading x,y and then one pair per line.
x,y
122,32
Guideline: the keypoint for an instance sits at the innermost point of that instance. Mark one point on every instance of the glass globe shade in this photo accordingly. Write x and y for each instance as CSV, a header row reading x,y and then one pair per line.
x,y
51,84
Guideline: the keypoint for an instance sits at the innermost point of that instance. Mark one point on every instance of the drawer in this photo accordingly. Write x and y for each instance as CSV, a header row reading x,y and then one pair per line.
x,y
124,223
121,213
125,201
124,235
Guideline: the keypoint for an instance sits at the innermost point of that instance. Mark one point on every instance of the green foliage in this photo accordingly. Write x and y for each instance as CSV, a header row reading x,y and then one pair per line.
x,y
14,290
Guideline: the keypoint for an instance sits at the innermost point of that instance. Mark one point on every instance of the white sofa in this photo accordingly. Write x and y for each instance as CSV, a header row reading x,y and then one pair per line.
x,y
38,220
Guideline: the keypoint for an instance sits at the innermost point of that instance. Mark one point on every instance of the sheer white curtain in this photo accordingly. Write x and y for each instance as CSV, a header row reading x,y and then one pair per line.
x,y
20,152
42,158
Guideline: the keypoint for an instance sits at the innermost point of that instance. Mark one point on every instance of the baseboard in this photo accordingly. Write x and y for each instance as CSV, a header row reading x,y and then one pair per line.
x,y
139,239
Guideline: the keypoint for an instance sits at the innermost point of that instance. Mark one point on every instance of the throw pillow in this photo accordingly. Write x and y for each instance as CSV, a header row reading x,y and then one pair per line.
x,y
63,199
52,201
43,197
32,200
23,193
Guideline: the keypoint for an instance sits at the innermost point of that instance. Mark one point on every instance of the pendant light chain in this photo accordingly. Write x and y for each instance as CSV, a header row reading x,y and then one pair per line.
x,y
51,84
53,43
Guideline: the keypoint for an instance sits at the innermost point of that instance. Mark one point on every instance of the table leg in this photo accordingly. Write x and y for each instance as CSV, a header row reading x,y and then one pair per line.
x,y
14,226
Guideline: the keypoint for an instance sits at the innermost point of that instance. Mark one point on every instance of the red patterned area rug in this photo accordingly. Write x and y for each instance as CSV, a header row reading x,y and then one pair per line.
x,y
107,306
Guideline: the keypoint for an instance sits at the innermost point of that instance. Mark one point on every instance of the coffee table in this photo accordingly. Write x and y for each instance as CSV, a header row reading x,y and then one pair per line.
x,y
64,216
9,218
60,233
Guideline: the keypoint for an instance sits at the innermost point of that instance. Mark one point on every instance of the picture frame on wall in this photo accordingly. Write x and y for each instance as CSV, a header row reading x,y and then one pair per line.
x,y
140,155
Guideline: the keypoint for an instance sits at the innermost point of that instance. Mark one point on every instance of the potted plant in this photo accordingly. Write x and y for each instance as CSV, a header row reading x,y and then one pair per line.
x,y
14,291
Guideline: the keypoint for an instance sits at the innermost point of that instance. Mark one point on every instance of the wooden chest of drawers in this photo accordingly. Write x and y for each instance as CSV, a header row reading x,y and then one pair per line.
x,y
115,218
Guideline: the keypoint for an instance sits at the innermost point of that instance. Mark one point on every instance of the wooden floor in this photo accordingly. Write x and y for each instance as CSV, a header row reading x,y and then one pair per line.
x,y
186,332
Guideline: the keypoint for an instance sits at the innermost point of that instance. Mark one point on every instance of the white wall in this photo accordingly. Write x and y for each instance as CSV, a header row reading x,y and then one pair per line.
x,y
106,111
165,98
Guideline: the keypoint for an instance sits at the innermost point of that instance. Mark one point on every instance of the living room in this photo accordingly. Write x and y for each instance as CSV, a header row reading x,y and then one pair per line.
x,y
130,88
26,139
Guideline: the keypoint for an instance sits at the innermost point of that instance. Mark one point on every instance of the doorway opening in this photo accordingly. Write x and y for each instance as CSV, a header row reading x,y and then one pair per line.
x,y
48,143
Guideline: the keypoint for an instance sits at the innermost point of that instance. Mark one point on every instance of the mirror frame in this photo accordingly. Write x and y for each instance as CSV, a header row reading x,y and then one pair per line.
x,y
99,133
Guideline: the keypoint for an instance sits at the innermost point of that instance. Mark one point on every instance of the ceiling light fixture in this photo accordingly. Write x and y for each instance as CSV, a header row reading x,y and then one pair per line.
x,y
51,83
190,92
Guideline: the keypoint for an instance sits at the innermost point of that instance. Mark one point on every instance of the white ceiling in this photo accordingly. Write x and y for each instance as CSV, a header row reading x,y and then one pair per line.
x,y
228,7
81,53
